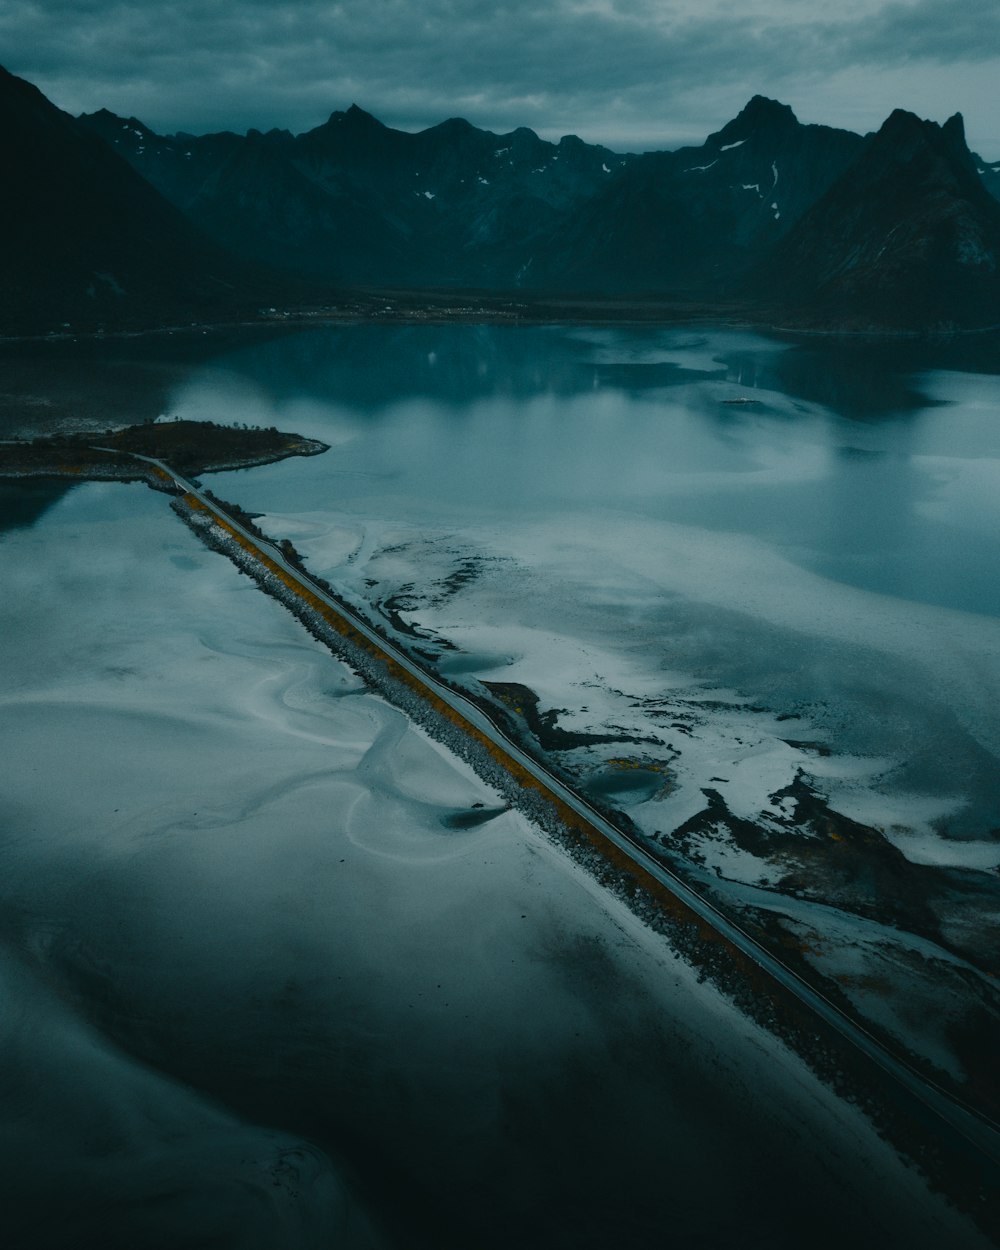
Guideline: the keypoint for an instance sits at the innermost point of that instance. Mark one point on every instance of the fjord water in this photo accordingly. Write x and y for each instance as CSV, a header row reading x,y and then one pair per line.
x,y
272,984
856,462
745,580
813,526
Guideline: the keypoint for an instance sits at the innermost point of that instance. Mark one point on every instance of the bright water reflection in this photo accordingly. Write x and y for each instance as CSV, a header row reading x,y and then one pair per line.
x,y
893,490
810,527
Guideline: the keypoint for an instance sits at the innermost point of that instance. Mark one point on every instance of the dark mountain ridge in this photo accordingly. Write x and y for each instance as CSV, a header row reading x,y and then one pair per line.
x,y
85,239
693,219
908,236
355,201
800,224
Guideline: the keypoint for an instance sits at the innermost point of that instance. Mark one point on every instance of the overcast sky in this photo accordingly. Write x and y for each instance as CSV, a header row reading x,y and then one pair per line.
x,y
634,74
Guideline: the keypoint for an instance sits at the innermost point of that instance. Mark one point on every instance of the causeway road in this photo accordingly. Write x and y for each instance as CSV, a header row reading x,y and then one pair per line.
x,y
966,1128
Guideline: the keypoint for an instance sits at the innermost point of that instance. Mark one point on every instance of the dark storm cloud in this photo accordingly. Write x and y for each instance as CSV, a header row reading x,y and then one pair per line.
x,y
631,71
928,30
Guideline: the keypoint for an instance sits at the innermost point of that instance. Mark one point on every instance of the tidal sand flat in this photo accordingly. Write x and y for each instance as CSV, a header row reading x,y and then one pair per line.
x,y
785,609
268,991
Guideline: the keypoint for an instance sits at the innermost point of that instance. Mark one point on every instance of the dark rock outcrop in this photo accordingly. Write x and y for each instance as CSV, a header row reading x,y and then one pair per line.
x,y
691,221
908,237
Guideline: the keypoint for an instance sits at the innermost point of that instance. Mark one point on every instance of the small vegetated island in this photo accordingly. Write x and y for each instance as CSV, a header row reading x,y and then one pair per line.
x,y
190,447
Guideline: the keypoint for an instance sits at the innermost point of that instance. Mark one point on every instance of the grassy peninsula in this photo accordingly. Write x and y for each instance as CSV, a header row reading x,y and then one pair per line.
x,y
191,447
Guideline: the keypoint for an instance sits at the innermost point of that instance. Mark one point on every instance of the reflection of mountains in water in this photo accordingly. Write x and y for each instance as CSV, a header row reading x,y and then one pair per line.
x,y
93,382
374,366
23,503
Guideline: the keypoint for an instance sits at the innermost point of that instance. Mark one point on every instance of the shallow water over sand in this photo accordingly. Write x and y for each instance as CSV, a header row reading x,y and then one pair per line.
x,y
770,572
830,560
271,979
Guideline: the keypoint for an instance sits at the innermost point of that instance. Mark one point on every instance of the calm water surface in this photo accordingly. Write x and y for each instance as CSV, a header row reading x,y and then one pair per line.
x,y
888,485
812,527
232,1007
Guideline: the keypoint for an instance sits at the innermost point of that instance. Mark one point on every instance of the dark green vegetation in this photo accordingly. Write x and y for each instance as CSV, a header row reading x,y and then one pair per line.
x,y
188,446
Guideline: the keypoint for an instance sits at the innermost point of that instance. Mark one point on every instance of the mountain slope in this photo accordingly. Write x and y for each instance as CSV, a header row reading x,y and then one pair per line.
x,y
457,206
354,200
908,237
808,224
692,219
85,240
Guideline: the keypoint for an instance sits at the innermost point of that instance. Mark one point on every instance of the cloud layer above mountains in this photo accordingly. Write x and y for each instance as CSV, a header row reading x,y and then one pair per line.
x,y
630,73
